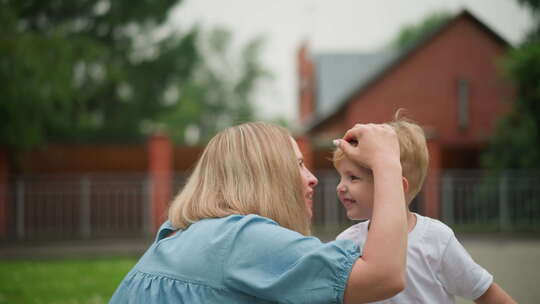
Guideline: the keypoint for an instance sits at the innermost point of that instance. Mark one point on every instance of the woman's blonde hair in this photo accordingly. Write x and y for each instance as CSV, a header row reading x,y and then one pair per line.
x,y
246,169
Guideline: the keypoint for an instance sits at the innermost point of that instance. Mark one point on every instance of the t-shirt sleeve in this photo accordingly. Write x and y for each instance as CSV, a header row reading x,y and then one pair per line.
x,y
347,234
353,233
272,263
460,274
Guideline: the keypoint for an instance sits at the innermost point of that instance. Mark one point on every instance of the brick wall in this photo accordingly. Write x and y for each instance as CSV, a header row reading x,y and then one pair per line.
x,y
85,158
425,84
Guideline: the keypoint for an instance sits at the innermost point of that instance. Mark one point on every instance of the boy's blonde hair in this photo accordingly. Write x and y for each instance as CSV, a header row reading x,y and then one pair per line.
x,y
245,169
413,150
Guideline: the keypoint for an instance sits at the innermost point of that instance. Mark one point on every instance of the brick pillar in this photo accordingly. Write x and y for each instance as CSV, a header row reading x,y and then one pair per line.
x,y
4,202
160,164
306,83
432,187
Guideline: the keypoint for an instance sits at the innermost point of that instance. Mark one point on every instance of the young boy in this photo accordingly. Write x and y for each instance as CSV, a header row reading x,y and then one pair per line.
x,y
438,267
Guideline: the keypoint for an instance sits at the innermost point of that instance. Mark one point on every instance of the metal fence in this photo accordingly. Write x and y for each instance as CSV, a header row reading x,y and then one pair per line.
x,y
80,206
509,201
327,210
115,205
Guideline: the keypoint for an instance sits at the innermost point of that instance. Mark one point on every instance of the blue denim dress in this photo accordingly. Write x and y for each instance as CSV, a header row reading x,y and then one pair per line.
x,y
238,259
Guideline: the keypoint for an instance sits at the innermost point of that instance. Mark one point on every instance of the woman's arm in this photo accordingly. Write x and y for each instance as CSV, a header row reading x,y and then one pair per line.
x,y
495,295
380,272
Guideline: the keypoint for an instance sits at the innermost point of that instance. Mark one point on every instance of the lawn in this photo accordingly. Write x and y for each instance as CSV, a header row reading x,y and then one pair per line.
x,y
514,261
73,281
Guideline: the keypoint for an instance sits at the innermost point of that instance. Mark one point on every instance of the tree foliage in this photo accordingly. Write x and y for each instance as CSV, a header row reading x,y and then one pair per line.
x,y
85,70
82,69
534,6
220,93
516,141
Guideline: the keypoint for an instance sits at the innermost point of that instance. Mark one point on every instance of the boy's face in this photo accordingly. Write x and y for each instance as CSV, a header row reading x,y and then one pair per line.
x,y
355,189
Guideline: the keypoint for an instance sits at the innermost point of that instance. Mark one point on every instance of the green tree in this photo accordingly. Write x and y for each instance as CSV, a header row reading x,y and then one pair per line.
x,y
516,141
84,69
219,94
534,6
412,33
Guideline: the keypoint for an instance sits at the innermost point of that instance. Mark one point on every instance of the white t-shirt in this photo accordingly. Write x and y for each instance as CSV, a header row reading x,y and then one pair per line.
x,y
438,267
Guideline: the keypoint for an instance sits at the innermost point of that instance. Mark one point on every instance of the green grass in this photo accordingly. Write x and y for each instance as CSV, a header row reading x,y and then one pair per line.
x,y
89,281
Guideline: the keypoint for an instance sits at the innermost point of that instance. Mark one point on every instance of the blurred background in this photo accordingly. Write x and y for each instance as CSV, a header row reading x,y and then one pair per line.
x,y
106,105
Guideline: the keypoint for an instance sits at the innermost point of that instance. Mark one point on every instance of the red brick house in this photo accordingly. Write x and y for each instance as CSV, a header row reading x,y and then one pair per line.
x,y
449,83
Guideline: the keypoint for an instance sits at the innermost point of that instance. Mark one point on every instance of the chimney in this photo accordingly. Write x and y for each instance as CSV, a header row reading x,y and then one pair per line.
x,y
306,83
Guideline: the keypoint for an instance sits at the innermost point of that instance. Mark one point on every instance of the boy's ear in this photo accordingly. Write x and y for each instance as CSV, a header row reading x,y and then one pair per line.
x,y
405,184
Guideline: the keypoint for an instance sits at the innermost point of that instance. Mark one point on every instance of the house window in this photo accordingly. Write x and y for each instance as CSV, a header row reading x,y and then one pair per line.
x,y
463,103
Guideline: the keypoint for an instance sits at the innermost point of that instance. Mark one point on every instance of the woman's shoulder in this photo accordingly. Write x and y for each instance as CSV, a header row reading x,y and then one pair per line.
x,y
260,227
256,233
230,221
219,231
250,227
249,219
240,221
210,240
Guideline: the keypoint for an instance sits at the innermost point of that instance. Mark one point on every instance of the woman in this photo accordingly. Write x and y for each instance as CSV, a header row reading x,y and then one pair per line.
x,y
237,232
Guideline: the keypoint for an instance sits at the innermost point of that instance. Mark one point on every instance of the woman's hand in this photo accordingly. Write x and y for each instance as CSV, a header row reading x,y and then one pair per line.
x,y
370,145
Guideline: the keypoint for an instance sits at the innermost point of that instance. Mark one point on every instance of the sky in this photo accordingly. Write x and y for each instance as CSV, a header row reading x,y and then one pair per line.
x,y
328,26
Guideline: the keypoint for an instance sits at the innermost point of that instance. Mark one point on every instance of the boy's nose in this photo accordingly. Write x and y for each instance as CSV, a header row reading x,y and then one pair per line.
x,y
341,188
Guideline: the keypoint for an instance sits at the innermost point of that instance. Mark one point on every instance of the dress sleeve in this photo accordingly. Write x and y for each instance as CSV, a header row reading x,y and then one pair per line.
x,y
272,263
460,274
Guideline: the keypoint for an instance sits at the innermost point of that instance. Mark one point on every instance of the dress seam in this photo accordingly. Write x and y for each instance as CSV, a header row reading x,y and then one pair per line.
x,y
152,275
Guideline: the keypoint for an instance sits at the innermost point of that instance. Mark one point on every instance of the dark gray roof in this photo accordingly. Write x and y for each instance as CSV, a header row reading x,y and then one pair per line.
x,y
339,75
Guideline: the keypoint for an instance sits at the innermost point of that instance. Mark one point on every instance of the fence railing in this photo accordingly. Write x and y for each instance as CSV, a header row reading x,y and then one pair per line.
x,y
113,205
509,201
80,206
327,210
